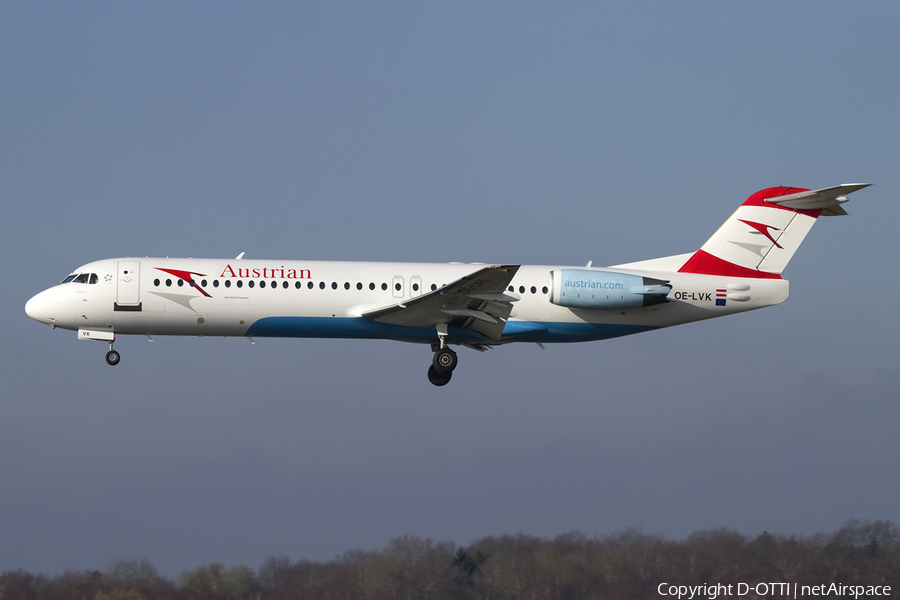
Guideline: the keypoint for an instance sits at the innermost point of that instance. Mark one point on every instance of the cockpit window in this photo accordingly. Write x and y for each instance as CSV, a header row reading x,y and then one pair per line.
x,y
81,278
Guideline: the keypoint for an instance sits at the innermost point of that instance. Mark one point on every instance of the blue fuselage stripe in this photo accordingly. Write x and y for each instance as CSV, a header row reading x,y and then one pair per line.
x,y
361,328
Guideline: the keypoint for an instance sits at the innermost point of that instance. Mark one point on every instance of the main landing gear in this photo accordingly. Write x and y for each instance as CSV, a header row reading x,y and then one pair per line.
x,y
445,360
441,369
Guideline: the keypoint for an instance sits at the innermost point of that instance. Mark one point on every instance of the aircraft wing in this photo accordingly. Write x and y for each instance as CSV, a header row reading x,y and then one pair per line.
x,y
478,301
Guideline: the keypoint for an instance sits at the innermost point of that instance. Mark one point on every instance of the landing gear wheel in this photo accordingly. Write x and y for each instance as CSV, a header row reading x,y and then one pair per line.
x,y
445,360
112,358
438,379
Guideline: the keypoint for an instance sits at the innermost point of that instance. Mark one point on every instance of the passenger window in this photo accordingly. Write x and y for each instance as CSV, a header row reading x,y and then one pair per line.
x,y
544,289
347,285
180,282
334,285
371,286
521,289
228,283
240,283
433,286
215,283
203,283
415,287
168,283
321,285
285,284
262,283
309,285
384,287
156,282
533,290
359,286
250,283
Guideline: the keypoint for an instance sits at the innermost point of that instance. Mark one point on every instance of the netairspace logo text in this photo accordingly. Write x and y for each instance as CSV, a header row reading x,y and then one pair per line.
x,y
772,590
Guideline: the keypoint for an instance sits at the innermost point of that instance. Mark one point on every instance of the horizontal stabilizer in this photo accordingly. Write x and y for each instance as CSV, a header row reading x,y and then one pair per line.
x,y
829,199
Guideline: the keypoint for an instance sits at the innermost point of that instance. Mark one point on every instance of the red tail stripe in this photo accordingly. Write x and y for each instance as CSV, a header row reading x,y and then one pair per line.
x,y
758,199
707,264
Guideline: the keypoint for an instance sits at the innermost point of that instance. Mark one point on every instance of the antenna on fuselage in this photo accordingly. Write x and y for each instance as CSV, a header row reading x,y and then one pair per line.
x,y
239,256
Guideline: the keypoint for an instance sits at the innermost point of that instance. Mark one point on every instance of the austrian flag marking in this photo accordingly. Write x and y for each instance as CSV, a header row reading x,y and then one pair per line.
x,y
721,296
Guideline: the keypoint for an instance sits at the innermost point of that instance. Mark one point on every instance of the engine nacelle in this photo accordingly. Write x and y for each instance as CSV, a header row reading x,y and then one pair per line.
x,y
605,290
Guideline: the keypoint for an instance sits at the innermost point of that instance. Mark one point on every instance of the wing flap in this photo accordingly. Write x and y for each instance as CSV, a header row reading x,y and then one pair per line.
x,y
468,312
478,301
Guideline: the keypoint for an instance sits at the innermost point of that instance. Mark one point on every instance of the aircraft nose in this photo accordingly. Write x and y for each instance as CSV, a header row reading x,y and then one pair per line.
x,y
38,308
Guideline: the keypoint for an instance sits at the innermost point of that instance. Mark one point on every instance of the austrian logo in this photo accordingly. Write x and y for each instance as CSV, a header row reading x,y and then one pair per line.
x,y
238,273
265,272
763,229
187,277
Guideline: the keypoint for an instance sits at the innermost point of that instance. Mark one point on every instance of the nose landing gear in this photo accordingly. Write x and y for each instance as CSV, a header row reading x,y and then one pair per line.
x,y
112,357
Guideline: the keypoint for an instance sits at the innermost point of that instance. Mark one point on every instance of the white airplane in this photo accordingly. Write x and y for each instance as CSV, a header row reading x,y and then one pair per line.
x,y
474,305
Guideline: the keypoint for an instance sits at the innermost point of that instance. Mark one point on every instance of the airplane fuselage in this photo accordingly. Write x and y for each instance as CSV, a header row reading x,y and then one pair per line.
x,y
277,298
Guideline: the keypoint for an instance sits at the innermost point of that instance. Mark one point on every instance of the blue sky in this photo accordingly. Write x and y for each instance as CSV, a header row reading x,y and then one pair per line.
x,y
502,132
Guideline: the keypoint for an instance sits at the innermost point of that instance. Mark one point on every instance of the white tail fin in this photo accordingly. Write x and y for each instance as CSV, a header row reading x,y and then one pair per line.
x,y
762,235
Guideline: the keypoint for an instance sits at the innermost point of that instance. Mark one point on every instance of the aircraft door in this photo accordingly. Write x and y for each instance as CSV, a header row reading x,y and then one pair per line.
x,y
128,283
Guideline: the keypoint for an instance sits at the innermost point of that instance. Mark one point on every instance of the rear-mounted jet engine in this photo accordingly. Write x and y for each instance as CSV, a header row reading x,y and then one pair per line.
x,y
606,290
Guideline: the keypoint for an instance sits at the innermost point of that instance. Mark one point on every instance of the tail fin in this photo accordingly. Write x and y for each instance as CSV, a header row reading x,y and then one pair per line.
x,y
762,235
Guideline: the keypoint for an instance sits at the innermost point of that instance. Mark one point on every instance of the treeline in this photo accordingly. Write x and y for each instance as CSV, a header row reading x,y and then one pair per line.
x,y
630,565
